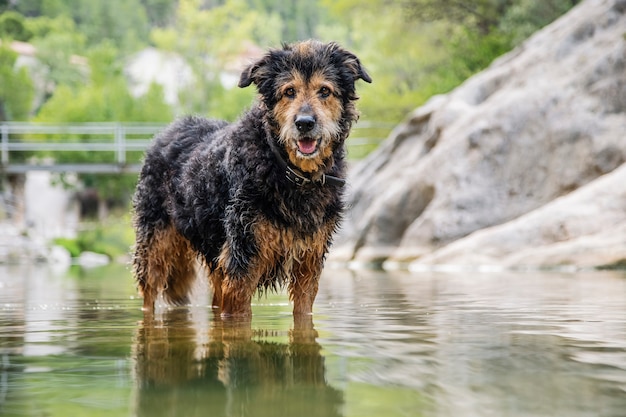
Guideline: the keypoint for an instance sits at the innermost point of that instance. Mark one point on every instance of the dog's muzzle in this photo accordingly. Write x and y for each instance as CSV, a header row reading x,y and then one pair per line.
x,y
305,123
307,144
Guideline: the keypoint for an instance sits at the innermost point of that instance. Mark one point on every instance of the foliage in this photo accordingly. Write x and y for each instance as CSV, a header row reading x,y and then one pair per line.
x,y
524,17
471,52
159,12
12,27
401,60
211,39
112,238
59,46
123,22
32,8
477,15
412,48
417,48
299,19
105,97
16,87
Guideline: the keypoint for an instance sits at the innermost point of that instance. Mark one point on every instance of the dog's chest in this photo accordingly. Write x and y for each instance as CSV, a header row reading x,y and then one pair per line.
x,y
302,213
283,244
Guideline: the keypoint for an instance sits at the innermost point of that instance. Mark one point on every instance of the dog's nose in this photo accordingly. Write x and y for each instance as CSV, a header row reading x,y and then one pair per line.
x,y
305,123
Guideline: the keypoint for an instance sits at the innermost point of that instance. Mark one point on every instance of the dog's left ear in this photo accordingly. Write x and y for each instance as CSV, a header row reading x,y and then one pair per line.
x,y
359,70
253,73
353,63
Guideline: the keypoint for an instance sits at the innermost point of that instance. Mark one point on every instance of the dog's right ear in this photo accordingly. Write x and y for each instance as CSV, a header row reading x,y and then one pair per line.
x,y
253,73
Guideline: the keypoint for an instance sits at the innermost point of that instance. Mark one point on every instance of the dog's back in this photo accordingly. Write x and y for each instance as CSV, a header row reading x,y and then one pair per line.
x,y
164,159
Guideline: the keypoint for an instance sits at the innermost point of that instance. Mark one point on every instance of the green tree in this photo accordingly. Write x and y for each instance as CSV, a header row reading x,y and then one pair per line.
x,y
300,18
16,87
12,26
417,48
212,40
159,12
484,16
479,15
124,22
524,17
104,98
398,53
402,55
59,53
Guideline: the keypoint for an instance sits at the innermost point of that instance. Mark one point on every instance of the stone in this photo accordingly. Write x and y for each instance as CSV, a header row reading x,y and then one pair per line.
x,y
584,229
92,260
543,121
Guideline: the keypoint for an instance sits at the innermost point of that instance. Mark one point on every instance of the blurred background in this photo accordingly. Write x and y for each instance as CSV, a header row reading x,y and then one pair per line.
x,y
83,71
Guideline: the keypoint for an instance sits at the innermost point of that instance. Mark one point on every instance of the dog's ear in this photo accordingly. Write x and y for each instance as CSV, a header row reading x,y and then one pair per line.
x,y
359,70
253,73
352,62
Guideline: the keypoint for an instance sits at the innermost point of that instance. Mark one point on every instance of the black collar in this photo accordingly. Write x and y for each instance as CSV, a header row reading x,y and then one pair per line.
x,y
298,177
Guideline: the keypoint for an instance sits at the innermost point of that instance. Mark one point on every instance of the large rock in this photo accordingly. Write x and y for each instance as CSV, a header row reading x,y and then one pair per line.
x,y
540,123
586,228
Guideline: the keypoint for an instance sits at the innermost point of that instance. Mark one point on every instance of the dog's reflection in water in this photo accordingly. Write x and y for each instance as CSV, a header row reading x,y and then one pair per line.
x,y
186,366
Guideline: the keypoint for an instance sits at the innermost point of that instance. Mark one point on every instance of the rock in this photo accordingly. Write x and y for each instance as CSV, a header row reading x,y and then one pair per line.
x,y
17,247
541,122
586,228
59,256
92,260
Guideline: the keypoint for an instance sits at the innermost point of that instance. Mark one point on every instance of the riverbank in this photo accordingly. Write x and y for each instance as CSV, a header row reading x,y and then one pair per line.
x,y
20,247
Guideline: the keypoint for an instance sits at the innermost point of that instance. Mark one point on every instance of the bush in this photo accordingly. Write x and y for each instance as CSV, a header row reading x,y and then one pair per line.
x,y
12,27
72,245
113,239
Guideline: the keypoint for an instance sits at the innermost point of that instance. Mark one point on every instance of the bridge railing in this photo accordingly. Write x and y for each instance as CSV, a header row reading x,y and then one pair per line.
x,y
86,147
111,147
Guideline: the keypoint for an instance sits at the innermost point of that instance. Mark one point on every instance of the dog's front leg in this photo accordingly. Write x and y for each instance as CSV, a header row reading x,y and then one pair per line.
x,y
232,293
237,296
305,282
238,275
307,268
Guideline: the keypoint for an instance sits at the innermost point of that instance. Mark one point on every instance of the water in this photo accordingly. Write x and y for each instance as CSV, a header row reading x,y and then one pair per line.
x,y
75,343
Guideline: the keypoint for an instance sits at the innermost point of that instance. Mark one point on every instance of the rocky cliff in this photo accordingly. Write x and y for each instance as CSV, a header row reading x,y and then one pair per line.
x,y
521,166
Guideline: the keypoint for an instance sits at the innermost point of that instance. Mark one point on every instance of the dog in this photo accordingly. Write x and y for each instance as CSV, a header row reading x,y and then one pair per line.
x,y
256,201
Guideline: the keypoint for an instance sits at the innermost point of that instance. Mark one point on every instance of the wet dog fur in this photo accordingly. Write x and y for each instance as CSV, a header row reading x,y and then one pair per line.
x,y
219,193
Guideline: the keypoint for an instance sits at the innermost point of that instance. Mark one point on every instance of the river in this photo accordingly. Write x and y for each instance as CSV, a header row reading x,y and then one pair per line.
x,y
74,342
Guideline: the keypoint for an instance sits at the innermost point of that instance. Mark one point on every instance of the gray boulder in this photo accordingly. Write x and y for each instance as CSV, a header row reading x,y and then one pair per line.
x,y
585,228
541,122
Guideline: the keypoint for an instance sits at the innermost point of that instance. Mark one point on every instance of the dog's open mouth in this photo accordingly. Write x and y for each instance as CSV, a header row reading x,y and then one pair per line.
x,y
307,145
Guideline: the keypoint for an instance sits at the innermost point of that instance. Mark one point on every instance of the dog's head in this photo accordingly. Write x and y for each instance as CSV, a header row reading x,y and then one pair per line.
x,y
308,89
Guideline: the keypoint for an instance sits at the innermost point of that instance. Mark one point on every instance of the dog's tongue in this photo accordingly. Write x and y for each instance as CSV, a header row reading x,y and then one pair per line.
x,y
307,145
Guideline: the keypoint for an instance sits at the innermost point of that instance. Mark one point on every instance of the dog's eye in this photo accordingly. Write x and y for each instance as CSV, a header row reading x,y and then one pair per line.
x,y
324,92
290,92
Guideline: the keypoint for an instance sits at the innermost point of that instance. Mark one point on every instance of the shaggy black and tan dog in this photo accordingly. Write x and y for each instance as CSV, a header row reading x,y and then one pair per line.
x,y
256,200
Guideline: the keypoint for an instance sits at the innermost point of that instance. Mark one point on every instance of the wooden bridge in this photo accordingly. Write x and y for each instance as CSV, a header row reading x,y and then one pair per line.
x,y
109,148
